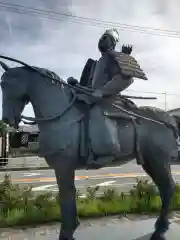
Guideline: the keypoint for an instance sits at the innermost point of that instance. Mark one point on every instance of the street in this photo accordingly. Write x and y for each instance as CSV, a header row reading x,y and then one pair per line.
x,y
121,178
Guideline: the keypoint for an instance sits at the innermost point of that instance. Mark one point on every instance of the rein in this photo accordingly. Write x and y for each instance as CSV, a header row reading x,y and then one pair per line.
x,y
84,90
58,115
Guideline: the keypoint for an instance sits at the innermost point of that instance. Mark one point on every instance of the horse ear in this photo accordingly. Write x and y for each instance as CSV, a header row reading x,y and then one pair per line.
x,y
4,66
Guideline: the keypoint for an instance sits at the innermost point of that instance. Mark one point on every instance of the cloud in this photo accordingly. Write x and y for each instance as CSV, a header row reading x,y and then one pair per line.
x,y
55,43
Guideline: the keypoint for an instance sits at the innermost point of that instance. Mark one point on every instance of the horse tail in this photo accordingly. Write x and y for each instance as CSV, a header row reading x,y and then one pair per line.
x,y
4,66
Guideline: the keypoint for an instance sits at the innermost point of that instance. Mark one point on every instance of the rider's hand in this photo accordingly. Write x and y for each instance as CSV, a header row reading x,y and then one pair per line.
x,y
97,94
72,81
127,49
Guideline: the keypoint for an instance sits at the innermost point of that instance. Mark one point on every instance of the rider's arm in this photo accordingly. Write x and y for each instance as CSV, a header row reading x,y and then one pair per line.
x,y
113,87
116,85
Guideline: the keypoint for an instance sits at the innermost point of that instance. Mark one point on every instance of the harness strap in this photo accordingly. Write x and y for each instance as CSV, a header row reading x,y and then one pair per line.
x,y
54,117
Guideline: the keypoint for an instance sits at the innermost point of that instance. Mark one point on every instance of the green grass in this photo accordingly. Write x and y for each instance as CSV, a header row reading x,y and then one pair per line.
x,y
19,207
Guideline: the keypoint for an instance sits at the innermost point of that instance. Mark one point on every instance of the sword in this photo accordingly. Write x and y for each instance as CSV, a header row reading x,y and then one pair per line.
x,y
139,97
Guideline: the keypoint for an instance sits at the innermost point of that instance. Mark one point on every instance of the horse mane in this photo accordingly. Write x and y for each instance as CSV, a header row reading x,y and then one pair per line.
x,y
4,66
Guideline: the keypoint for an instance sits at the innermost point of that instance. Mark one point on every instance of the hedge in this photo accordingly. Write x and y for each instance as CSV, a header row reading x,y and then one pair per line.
x,y
20,207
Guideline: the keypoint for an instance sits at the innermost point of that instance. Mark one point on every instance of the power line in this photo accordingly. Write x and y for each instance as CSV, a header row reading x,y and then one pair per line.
x,y
89,19
156,93
20,9
149,92
98,24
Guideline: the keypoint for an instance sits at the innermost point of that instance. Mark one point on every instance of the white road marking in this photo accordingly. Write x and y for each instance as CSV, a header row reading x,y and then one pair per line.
x,y
105,184
98,177
134,165
31,174
44,188
83,196
126,175
112,167
54,188
114,185
51,181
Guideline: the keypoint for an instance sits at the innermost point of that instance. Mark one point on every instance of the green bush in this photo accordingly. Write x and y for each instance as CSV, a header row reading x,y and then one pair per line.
x,y
19,206
3,128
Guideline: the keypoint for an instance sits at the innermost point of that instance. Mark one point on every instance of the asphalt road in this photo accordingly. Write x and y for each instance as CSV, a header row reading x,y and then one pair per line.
x,y
122,178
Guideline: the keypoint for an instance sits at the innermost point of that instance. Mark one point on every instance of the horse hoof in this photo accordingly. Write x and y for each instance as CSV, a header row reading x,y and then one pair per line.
x,y
157,236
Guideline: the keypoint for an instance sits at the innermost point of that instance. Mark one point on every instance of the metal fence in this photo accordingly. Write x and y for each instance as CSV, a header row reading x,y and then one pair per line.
x,y
23,163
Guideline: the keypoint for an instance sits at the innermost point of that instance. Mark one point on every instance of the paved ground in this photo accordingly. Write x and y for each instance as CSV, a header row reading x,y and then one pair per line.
x,y
108,228
121,178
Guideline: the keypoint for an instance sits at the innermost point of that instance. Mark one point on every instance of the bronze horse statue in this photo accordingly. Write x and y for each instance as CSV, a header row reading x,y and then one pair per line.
x,y
147,134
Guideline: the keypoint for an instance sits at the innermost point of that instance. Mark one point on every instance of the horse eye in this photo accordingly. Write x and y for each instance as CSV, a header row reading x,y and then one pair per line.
x,y
3,84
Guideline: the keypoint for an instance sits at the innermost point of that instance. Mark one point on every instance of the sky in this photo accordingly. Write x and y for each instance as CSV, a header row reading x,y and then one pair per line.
x,y
64,46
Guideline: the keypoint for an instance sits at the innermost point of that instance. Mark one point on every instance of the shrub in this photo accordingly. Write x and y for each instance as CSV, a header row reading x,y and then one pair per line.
x,y
19,206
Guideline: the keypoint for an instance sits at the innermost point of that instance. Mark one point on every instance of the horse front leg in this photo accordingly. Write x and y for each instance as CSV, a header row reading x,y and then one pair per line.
x,y
67,198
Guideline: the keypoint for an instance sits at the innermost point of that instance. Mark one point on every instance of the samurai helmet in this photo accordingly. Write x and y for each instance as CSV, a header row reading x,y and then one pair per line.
x,y
113,33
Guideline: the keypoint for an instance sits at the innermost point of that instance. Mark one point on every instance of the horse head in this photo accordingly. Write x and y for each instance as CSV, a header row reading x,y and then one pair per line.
x,y
14,87
38,86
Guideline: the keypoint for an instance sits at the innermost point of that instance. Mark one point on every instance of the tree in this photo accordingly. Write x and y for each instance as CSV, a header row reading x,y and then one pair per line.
x,y
3,136
3,128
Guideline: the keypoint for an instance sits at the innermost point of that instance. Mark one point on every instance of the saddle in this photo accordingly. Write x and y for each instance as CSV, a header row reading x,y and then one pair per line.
x,y
100,130
101,125
125,103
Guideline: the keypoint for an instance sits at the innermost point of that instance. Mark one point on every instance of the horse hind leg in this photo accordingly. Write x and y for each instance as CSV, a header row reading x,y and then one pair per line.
x,y
158,168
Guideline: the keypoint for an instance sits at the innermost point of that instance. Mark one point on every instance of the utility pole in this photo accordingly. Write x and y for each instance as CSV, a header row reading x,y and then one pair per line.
x,y
4,149
165,101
